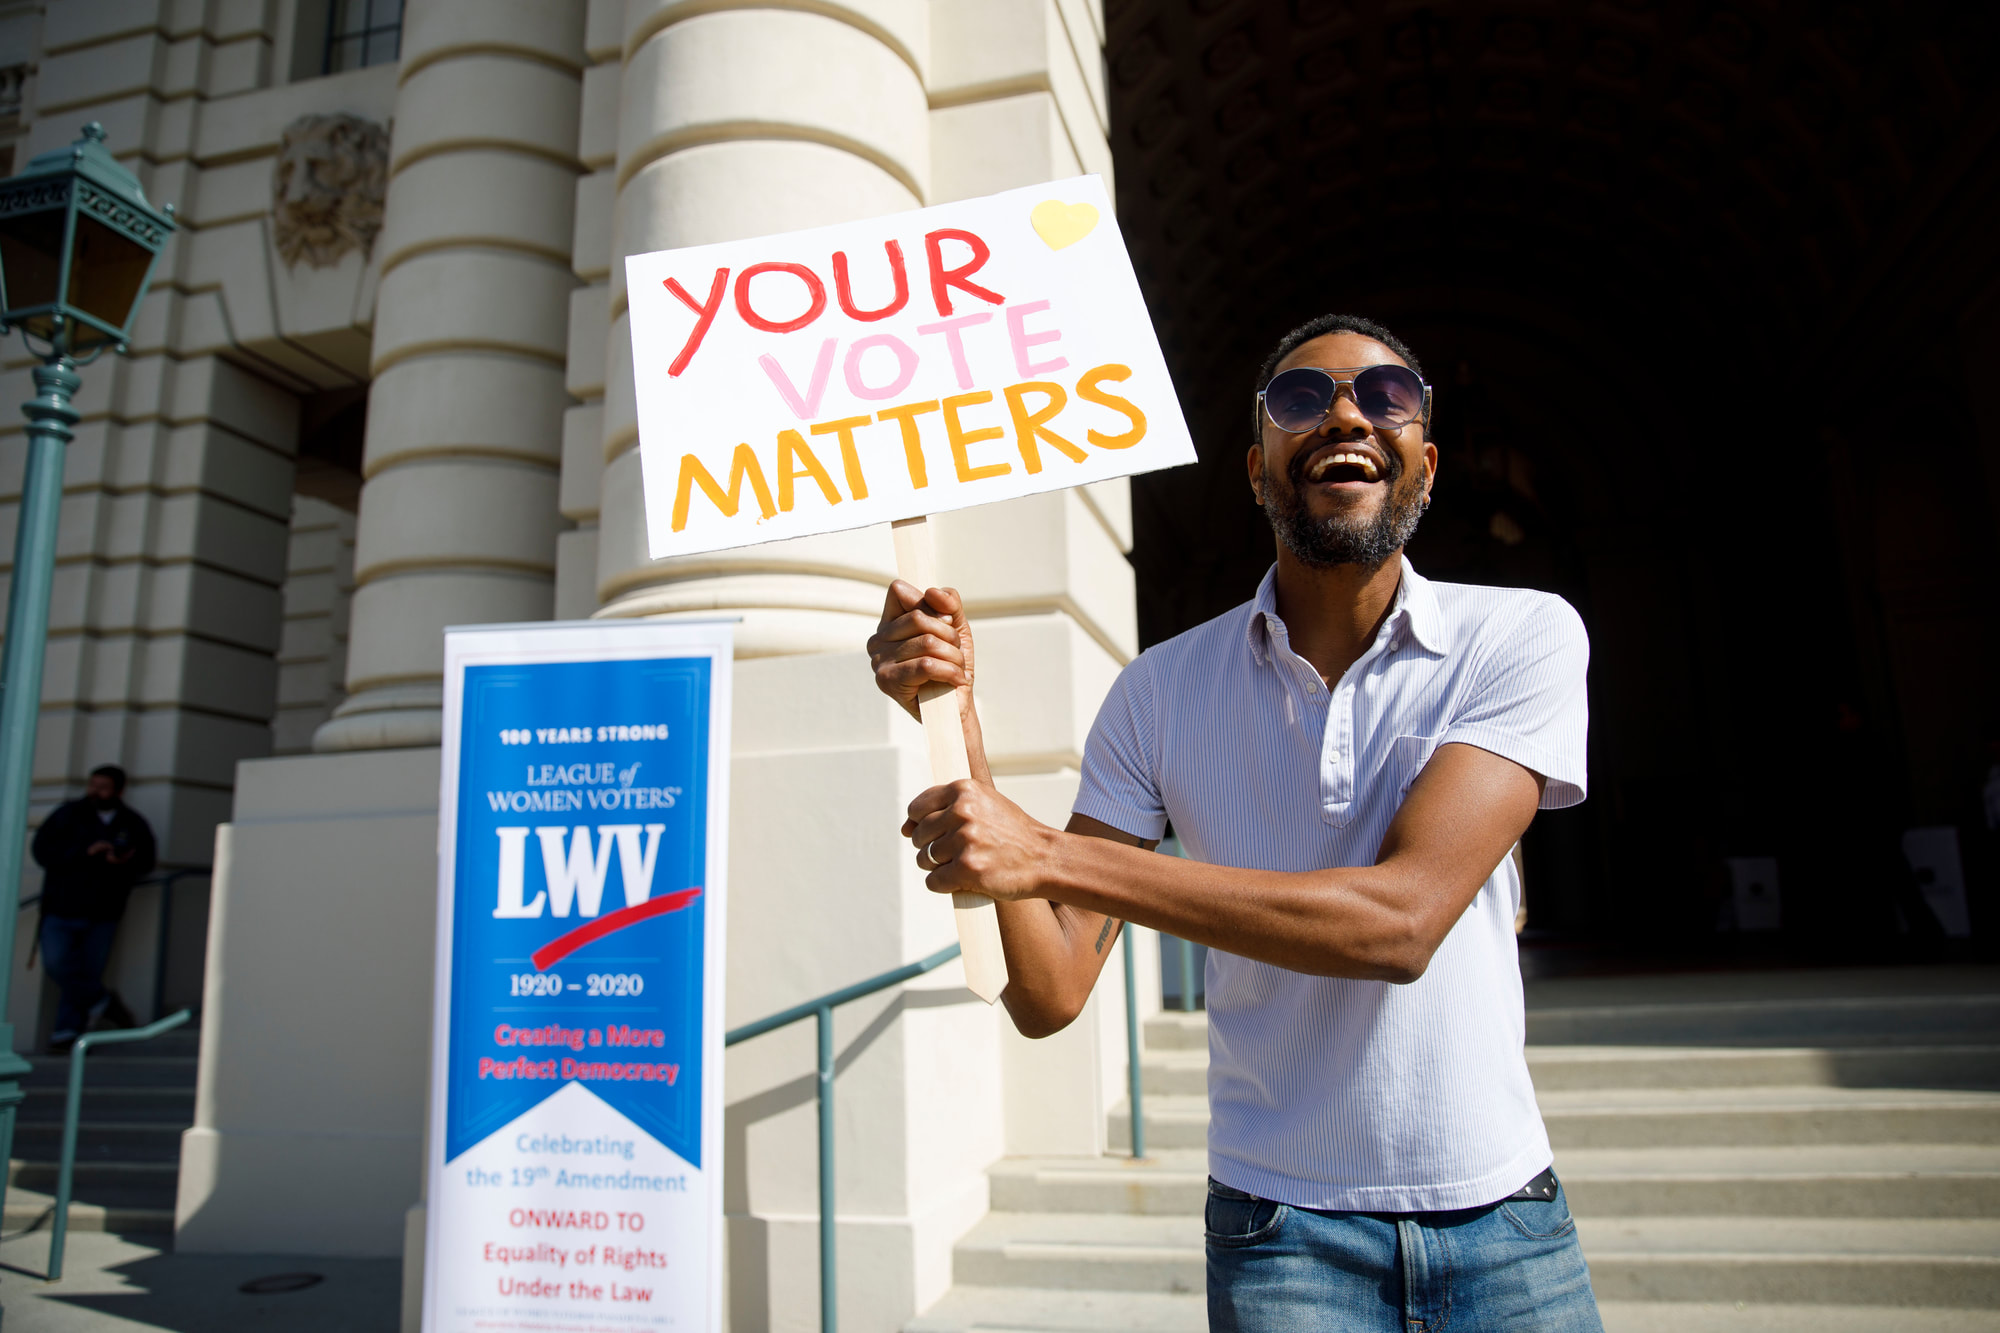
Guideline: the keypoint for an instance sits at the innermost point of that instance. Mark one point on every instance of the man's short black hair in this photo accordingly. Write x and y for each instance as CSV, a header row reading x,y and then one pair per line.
x,y
112,771
1319,328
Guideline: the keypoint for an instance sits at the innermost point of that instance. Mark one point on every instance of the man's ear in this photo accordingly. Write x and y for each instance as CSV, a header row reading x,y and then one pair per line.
x,y
1430,467
1256,464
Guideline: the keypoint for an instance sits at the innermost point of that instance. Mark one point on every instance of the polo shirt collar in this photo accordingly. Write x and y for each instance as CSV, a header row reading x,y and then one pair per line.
x,y
1417,603
1263,616
1415,609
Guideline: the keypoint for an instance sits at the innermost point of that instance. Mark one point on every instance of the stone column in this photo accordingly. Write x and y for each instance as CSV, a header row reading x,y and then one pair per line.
x,y
744,121
458,517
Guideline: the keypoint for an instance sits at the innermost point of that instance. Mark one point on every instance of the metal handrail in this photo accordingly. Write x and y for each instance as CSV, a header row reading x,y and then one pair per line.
x,y
822,1008
1172,847
160,940
1187,974
1134,1082
66,1170
157,877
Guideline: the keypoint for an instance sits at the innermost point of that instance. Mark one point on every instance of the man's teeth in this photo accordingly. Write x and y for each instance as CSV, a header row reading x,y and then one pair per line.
x,y
1324,465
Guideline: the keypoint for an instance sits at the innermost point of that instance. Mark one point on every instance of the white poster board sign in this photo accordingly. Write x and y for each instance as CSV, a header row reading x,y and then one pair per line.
x,y
894,367
575,1172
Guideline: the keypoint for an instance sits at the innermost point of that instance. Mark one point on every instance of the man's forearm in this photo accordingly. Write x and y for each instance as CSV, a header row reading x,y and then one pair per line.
x,y
1346,922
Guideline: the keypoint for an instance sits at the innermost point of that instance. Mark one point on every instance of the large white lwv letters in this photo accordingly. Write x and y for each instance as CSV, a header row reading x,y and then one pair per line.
x,y
576,876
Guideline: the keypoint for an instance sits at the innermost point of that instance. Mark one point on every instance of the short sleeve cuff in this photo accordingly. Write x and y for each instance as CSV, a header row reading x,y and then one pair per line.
x,y
1565,779
1146,825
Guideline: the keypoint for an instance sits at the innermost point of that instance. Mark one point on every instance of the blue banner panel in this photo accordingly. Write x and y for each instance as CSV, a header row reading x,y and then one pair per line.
x,y
581,801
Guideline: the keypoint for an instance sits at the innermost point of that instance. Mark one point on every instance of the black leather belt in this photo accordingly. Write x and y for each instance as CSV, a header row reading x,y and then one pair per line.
x,y
1542,1187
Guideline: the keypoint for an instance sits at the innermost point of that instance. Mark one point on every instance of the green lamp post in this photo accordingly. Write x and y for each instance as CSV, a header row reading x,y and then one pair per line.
x,y
78,242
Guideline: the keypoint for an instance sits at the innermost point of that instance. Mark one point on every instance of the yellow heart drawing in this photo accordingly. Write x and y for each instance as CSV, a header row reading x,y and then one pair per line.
x,y
1060,224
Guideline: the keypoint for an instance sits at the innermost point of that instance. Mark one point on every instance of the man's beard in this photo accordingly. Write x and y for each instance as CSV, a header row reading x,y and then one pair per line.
x,y
1341,539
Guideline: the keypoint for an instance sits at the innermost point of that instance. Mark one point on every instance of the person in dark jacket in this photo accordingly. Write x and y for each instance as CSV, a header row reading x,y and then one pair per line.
x,y
92,851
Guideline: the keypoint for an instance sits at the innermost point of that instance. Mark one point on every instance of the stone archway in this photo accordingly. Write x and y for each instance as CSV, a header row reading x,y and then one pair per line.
x,y
1640,246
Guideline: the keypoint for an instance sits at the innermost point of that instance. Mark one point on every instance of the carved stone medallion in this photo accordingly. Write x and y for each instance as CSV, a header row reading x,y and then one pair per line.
x,y
328,188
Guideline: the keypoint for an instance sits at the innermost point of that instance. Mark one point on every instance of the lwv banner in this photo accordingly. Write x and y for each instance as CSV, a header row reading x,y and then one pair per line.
x,y
576,1065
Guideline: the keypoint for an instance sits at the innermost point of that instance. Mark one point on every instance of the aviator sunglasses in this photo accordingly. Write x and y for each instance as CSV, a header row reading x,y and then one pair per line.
x,y
1299,399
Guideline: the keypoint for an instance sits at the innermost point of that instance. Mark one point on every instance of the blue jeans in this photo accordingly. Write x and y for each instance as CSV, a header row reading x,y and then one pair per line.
x,y
1273,1268
75,951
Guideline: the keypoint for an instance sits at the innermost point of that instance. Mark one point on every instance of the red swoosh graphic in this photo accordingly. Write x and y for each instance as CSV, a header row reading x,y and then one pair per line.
x,y
562,946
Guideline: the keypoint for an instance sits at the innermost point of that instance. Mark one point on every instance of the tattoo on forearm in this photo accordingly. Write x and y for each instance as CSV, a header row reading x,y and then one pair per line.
x,y
1105,934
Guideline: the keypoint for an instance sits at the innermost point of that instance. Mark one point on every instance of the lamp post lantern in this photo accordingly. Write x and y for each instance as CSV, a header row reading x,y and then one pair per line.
x,y
78,242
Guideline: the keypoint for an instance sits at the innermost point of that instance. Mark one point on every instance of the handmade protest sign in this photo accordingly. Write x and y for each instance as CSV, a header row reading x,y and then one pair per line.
x,y
884,370
576,1057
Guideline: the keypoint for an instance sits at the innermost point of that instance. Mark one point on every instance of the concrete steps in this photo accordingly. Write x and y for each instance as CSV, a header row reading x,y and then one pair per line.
x,y
1844,1020
1839,1180
1171,1183
1795,1153
1023,1310
1175,1073
1837,1261
110,1209
965,1309
139,1103
1171,1122
1591,1068
102,1140
1742,1317
137,1099
1887,1262
1184,1073
1697,1117
1083,1252
1814,1180
1171,1031
155,1176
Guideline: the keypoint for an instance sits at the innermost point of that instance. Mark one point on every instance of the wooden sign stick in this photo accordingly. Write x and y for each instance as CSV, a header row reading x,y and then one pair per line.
x,y
944,733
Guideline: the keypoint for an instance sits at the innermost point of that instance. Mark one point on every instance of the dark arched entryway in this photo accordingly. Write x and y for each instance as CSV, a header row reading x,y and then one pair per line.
x,y
1710,296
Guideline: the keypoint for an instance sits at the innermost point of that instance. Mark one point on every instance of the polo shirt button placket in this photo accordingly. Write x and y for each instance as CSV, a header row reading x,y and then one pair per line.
x,y
1335,790
1343,712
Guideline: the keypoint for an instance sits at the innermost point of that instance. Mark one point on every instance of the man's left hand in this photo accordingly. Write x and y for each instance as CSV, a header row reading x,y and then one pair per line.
x,y
974,840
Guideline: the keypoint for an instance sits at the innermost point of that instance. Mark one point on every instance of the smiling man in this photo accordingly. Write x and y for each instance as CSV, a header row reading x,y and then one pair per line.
x,y
1347,760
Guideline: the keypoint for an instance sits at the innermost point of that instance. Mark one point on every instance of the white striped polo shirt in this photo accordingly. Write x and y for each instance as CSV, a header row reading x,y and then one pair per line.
x,y
1325,1093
